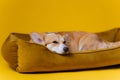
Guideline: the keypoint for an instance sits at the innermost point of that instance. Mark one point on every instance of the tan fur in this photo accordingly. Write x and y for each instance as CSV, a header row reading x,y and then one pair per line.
x,y
79,41
83,41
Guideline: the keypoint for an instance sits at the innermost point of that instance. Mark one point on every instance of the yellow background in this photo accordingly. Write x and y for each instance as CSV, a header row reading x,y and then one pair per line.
x,y
25,16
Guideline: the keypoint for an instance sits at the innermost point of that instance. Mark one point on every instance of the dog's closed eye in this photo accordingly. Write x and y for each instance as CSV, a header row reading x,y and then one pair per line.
x,y
55,42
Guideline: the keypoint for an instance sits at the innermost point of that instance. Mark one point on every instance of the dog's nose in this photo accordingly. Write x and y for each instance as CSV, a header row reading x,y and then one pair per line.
x,y
65,49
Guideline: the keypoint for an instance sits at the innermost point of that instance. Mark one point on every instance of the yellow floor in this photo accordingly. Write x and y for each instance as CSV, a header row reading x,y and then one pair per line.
x,y
25,16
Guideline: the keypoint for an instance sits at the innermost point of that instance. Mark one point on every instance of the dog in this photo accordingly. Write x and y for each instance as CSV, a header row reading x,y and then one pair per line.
x,y
71,42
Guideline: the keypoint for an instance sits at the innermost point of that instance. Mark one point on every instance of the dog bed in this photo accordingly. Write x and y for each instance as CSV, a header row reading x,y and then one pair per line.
x,y
23,56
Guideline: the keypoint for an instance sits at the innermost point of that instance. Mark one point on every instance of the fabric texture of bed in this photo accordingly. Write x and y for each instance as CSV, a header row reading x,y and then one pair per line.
x,y
23,56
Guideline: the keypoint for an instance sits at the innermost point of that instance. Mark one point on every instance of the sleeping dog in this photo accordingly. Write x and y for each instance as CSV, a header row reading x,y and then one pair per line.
x,y
69,42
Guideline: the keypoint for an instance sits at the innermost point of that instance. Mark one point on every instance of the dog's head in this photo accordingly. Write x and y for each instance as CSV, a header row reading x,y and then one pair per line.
x,y
53,41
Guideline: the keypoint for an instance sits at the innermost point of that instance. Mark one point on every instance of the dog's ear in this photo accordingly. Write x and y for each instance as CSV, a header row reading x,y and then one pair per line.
x,y
37,38
67,38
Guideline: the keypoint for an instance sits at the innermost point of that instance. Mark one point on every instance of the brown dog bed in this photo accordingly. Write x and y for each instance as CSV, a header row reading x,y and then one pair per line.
x,y
23,56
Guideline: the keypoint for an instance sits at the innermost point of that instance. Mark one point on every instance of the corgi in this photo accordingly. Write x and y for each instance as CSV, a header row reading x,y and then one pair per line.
x,y
71,42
